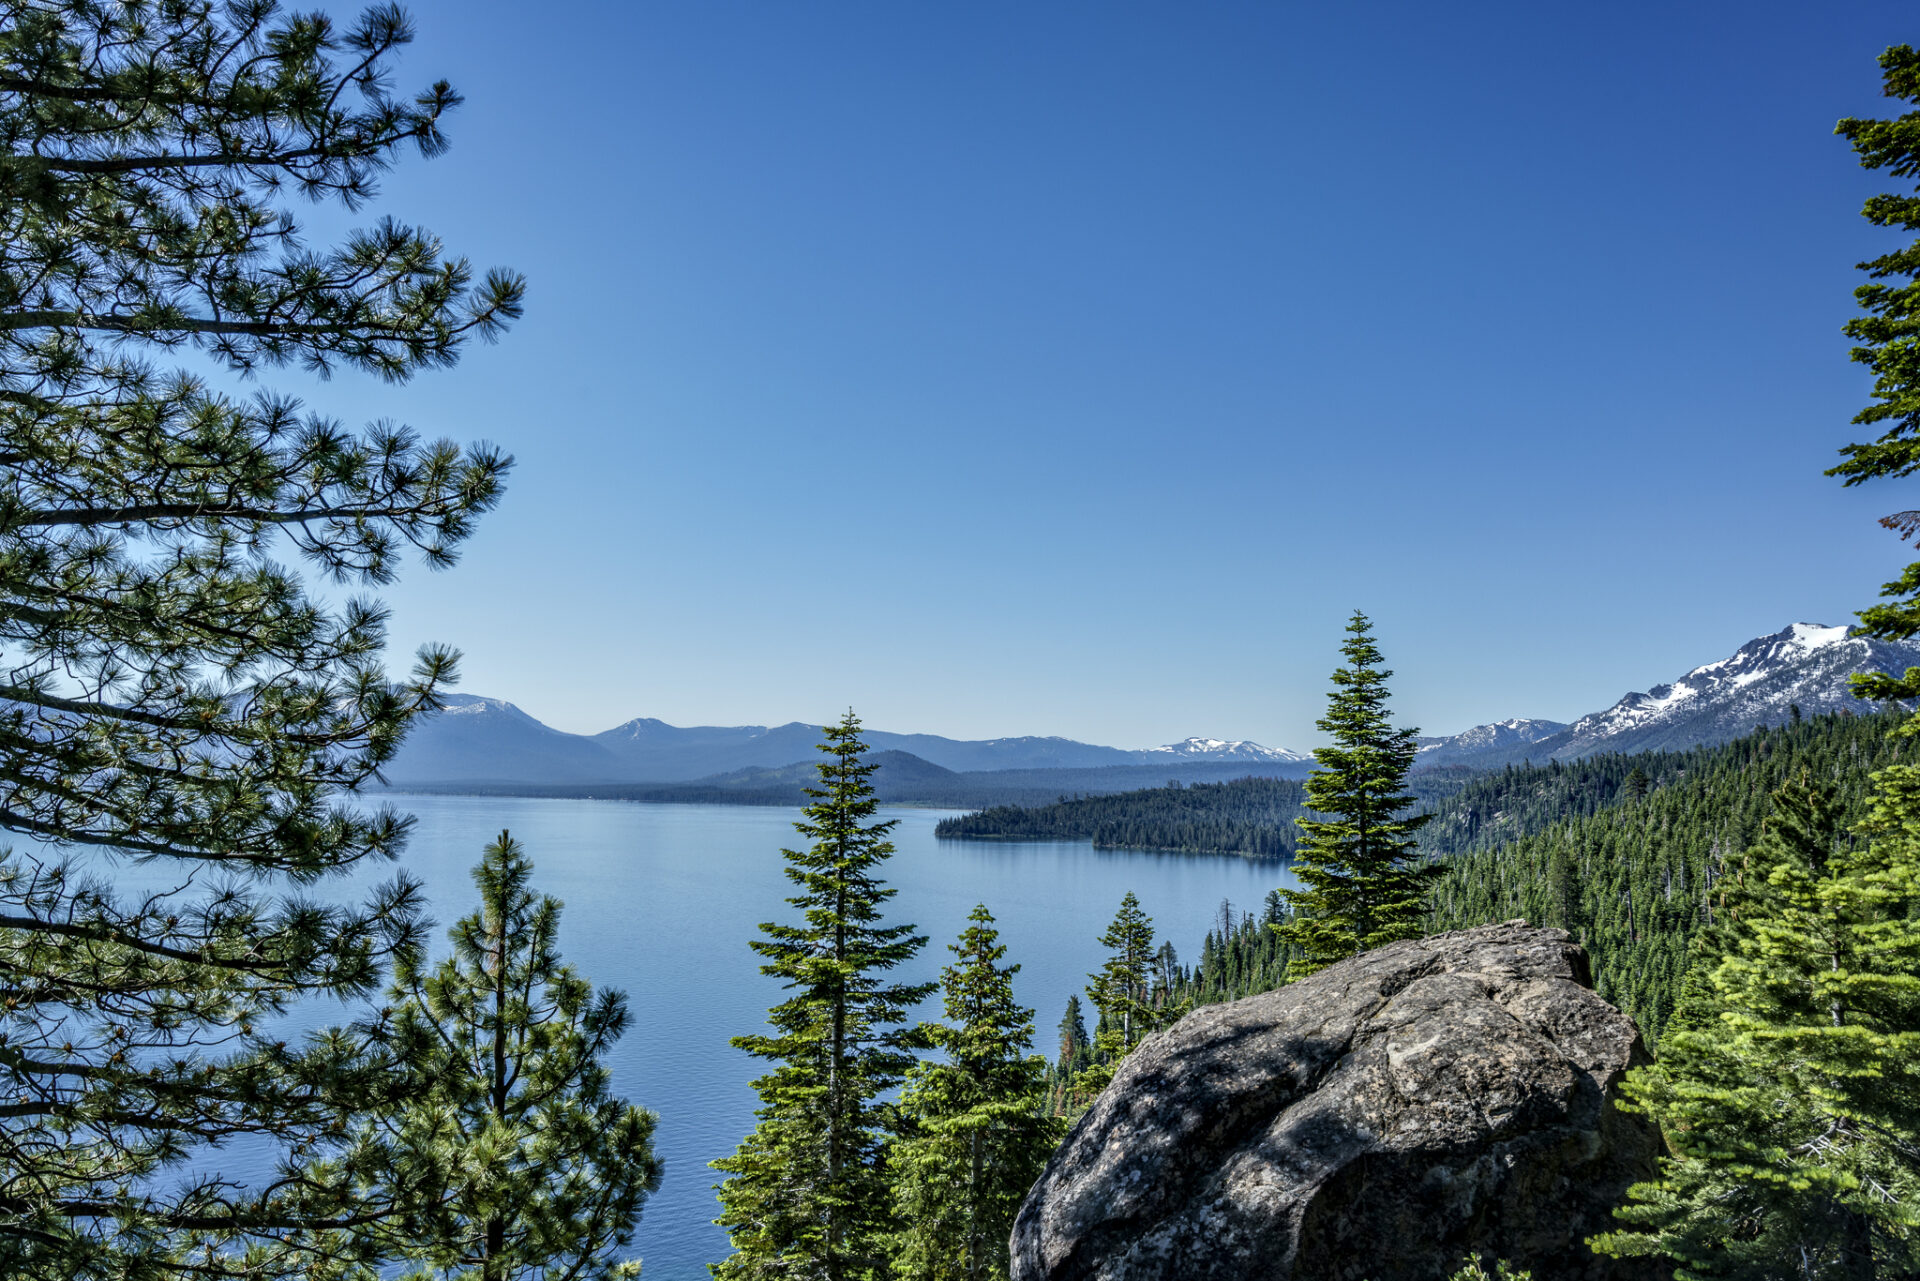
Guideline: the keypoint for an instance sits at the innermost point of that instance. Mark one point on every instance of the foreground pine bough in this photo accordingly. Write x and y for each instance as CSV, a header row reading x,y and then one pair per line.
x,y
172,694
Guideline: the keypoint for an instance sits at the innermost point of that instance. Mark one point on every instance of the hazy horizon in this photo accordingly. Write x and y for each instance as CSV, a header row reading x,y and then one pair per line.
x,y
1078,370
1643,687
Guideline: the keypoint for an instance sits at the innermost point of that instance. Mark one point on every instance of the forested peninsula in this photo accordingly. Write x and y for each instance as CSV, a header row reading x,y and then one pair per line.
x,y
1253,817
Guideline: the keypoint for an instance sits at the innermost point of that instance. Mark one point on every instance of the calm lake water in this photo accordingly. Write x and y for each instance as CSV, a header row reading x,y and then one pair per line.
x,y
662,899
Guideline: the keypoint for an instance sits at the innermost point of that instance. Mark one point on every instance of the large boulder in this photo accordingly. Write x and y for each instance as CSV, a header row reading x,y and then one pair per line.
x,y
1375,1121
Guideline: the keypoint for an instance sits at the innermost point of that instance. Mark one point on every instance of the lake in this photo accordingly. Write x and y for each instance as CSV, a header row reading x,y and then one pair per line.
x,y
661,901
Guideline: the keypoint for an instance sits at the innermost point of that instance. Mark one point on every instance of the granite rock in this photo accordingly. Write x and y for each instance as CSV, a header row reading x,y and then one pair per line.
x,y
1373,1122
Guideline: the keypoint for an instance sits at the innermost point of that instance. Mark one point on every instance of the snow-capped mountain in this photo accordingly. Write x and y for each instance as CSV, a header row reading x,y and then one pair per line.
x,y
1484,744
1220,749
1805,665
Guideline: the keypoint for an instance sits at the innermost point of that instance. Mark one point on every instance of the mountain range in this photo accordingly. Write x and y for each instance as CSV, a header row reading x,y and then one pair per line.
x,y
488,741
1803,666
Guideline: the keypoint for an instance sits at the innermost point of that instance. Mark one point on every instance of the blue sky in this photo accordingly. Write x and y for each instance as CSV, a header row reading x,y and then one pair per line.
x,y
1077,368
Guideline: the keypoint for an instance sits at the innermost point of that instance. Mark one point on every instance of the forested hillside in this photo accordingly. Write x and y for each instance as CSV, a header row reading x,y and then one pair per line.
x,y
1622,851
1632,876
1252,817
1501,807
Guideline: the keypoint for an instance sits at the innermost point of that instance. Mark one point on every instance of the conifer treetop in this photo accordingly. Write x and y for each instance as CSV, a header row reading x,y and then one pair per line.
x,y
1357,861
974,1131
1887,341
510,1156
807,1196
1787,1082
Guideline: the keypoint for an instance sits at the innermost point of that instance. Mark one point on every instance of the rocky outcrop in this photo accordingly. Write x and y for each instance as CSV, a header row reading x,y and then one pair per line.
x,y
1375,1121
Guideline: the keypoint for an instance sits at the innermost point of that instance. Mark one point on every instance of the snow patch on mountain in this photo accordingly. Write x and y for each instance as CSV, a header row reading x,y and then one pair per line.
x,y
1804,666
1497,738
472,705
1223,749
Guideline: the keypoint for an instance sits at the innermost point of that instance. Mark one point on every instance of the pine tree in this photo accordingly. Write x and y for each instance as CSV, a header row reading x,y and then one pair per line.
x,y
1275,909
1789,1084
1074,1041
512,1159
171,693
1121,991
978,1128
1563,891
1885,345
808,1197
1364,885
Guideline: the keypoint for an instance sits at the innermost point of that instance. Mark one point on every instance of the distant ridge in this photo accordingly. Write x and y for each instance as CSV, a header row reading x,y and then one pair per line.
x,y
490,740
1484,745
1215,749
1804,665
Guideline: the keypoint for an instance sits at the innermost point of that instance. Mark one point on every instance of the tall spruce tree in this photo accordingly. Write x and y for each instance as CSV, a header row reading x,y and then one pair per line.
x,y
171,694
511,1159
808,1197
1074,1041
1121,991
1885,344
978,1131
1364,884
1789,1082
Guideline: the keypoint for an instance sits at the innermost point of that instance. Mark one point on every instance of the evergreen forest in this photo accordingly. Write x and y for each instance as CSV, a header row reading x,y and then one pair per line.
x,y
177,699
1632,866
1252,817
1623,852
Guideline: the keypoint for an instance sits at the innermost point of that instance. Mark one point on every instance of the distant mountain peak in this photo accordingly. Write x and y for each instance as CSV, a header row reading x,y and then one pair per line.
x,y
491,739
1803,665
645,728
1224,749
474,705
1512,734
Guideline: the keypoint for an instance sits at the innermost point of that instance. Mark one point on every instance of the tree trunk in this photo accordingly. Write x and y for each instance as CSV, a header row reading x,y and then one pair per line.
x,y
974,1260
836,1058
496,1227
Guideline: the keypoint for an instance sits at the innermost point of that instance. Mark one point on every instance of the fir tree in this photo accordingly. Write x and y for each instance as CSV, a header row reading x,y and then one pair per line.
x,y
1074,1041
1121,992
171,693
808,1197
1885,345
1563,891
1364,885
1650,877
1275,909
1789,1085
979,1132
512,1159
